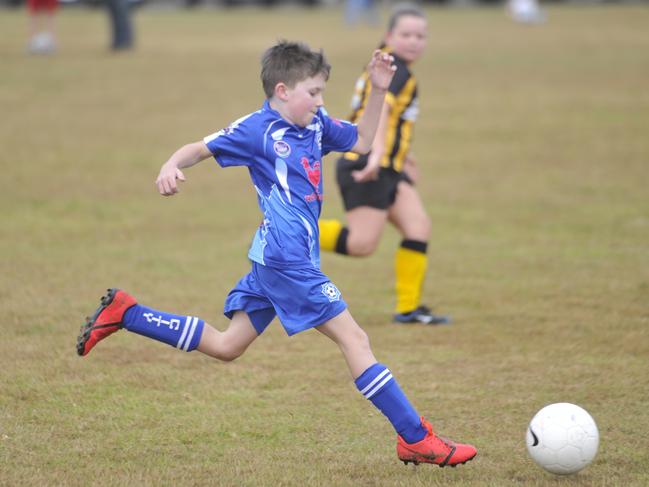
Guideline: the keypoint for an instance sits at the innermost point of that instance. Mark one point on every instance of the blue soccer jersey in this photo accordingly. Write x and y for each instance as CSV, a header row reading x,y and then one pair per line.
x,y
285,165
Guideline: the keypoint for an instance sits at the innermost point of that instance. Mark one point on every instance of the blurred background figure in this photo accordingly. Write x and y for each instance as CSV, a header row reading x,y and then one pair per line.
x,y
357,11
42,26
121,25
379,187
525,11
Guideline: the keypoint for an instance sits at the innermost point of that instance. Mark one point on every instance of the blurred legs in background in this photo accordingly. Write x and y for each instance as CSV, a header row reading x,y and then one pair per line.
x,y
525,11
361,11
42,34
122,28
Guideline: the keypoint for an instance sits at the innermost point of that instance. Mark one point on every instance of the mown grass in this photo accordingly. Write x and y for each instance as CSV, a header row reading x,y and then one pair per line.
x,y
534,157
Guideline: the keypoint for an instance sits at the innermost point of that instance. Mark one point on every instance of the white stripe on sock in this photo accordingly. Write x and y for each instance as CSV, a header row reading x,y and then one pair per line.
x,y
378,388
184,333
191,334
376,379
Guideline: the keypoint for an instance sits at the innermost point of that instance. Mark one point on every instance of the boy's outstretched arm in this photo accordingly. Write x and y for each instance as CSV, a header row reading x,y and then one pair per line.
x,y
170,172
381,70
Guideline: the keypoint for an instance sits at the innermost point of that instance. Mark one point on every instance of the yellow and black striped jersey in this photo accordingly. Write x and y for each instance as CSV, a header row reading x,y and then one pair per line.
x,y
404,108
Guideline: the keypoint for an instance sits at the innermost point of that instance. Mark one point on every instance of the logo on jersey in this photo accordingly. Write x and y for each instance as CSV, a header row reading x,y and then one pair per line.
x,y
281,148
313,172
331,292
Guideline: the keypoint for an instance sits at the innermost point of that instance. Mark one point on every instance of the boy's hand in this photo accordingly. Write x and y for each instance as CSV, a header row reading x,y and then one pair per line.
x,y
166,181
170,172
381,70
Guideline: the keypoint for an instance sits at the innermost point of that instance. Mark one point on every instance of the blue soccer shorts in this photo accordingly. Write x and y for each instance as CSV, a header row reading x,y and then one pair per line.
x,y
301,298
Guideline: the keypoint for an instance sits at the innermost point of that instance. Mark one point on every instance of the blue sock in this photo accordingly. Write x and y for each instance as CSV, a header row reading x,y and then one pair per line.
x,y
378,385
183,332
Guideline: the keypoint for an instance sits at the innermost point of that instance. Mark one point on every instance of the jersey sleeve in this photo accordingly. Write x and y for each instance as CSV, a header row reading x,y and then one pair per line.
x,y
337,135
398,82
233,145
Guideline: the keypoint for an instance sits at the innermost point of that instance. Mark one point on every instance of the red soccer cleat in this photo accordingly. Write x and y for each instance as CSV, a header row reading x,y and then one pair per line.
x,y
434,449
106,320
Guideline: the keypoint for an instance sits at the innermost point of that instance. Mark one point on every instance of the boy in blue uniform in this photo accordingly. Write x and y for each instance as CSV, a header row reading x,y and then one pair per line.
x,y
282,145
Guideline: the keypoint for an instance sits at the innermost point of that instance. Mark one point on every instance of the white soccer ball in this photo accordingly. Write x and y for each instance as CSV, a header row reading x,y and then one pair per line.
x,y
562,438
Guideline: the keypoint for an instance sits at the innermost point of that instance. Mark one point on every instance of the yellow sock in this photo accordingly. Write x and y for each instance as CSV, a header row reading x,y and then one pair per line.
x,y
329,232
410,270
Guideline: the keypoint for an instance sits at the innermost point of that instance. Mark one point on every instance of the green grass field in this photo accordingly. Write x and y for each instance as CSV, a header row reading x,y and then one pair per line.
x,y
534,151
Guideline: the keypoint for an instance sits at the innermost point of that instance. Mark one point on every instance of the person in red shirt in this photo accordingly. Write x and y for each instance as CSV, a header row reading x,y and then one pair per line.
x,y
42,26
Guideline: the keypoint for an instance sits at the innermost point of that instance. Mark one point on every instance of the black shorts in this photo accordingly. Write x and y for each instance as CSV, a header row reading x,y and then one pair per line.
x,y
380,193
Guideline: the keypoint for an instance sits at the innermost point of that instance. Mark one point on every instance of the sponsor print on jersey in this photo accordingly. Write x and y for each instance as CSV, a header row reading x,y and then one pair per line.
x,y
313,174
331,291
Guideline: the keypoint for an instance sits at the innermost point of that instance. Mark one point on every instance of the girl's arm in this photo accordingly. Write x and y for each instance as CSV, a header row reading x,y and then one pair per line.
x,y
371,169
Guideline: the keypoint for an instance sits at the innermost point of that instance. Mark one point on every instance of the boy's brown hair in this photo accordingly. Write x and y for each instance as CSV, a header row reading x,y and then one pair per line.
x,y
289,63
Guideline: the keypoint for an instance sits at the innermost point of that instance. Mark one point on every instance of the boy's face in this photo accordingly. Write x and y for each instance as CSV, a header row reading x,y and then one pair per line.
x,y
408,38
304,99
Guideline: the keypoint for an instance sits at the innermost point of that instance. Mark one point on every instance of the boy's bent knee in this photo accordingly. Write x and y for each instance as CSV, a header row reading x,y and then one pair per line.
x,y
229,351
229,355
225,351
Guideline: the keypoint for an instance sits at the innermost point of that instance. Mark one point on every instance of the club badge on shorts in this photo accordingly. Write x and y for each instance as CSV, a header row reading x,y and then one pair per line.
x,y
331,292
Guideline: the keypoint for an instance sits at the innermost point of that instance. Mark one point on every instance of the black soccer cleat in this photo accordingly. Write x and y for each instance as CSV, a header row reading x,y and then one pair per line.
x,y
422,315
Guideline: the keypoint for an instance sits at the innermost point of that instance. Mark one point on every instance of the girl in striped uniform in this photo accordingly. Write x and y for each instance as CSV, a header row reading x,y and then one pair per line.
x,y
379,187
